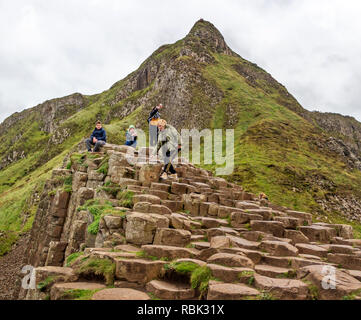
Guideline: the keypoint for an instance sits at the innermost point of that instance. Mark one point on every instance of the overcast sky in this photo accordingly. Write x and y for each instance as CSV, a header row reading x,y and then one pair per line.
x,y
50,49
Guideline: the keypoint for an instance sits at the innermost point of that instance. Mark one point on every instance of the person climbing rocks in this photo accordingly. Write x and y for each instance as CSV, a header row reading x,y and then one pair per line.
x,y
97,139
153,118
169,140
131,137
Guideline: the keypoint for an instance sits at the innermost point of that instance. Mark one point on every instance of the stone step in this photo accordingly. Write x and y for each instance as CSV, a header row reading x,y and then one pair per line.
x,y
266,213
160,186
274,272
146,198
354,273
209,223
172,237
170,252
138,270
338,248
318,233
221,231
231,274
231,260
254,255
346,261
344,284
197,237
63,274
275,228
127,248
289,222
282,289
201,245
245,205
312,250
158,193
240,218
342,230
113,255
120,294
288,262
230,291
296,236
306,218
278,248
64,291
170,291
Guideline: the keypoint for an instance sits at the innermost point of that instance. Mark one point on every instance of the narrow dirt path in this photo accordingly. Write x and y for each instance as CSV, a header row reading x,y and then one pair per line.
x,y
10,267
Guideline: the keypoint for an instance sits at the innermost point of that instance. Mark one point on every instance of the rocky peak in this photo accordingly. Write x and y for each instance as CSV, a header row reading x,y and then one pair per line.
x,y
205,33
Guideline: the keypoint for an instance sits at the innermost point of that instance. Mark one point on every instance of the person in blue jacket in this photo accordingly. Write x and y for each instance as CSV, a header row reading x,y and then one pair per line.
x,y
97,139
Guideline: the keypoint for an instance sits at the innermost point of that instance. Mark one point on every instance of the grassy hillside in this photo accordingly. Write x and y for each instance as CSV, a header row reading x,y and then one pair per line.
x,y
277,151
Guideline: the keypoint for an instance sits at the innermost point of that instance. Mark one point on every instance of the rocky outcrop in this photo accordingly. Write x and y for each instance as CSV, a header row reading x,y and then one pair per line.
x,y
48,116
254,251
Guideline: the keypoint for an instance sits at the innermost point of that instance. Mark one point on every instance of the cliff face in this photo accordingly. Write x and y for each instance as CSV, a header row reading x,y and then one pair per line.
x,y
345,135
280,148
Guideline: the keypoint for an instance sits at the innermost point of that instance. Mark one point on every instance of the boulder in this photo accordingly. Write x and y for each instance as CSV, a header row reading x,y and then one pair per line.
x,y
231,274
172,237
296,236
120,294
288,222
331,283
312,250
63,291
278,248
305,218
58,274
170,291
160,221
149,173
220,242
170,252
138,270
146,198
159,209
140,228
113,222
318,233
275,228
230,291
209,223
240,218
347,261
230,260
283,289
272,271
179,188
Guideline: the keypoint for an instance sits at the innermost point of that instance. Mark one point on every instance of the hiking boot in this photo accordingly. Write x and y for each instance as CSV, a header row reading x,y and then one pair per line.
x,y
173,176
164,176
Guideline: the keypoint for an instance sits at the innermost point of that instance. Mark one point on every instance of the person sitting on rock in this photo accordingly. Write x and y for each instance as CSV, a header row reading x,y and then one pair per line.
x,y
131,137
97,139
153,118
170,141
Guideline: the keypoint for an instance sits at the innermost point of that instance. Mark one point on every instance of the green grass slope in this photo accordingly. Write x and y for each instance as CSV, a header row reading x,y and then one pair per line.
x,y
277,151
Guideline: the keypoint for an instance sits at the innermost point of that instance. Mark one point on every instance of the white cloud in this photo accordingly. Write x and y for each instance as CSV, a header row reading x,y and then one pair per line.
x,y
53,48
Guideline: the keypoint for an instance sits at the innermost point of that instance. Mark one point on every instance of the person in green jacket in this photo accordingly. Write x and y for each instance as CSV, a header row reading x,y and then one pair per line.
x,y
169,140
